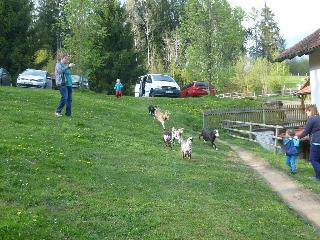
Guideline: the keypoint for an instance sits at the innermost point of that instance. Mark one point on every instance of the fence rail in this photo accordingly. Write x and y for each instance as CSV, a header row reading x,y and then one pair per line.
x,y
248,129
283,92
286,116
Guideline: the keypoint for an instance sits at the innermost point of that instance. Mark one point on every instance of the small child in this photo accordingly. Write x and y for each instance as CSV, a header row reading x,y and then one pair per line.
x,y
118,87
291,144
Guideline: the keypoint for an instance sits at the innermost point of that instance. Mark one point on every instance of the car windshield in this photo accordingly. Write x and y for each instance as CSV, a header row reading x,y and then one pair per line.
x,y
76,78
34,73
204,84
162,78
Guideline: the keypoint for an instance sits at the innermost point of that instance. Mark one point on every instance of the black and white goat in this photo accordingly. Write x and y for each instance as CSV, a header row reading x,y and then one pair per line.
x,y
177,134
169,138
186,148
209,135
152,109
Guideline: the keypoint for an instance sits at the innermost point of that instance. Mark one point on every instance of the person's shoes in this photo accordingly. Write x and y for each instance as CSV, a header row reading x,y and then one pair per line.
x,y
314,178
293,172
58,114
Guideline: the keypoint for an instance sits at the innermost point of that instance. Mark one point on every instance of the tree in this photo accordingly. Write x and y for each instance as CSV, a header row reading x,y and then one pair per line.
x,y
212,37
101,43
49,32
16,35
299,66
271,40
265,39
259,75
155,26
253,34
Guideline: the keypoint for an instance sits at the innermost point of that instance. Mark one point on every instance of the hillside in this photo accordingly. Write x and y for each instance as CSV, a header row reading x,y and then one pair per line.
x,y
105,174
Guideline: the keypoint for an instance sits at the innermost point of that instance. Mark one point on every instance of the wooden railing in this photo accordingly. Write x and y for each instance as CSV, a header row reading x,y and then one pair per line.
x,y
286,116
283,92
248,129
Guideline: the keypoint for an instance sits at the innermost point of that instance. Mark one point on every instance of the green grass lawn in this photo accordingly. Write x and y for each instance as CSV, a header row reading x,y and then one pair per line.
x,y
293,81
105,174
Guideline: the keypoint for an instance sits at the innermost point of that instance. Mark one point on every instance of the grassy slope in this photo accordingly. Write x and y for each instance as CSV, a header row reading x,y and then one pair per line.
x,y
105,174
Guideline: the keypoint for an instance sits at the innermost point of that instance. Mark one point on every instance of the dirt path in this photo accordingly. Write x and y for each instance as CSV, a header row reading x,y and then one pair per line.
x,y
304,202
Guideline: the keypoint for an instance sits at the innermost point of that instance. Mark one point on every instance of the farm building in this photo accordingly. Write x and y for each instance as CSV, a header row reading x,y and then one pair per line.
x,y
308,46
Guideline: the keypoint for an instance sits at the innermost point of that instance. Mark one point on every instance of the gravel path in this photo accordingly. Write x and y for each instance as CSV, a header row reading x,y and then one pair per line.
x,y
304,202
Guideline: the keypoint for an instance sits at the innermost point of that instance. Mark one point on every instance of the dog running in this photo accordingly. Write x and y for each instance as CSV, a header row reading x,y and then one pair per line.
x,y
161,117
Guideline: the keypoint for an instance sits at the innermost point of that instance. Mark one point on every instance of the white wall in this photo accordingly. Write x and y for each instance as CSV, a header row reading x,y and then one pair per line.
x,y
314,62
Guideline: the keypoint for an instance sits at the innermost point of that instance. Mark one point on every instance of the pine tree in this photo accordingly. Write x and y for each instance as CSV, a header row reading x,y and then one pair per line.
x,y
271,41
49,16
101,43
16,35
266,40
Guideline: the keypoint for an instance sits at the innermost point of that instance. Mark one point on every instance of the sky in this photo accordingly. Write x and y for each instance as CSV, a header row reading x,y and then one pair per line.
x,y
296,18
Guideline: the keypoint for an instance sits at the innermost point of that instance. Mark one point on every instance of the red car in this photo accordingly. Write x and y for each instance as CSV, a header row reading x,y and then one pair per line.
x,y
197,89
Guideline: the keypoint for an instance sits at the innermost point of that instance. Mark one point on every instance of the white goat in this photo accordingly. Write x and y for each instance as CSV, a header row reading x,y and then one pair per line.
x,y
186,148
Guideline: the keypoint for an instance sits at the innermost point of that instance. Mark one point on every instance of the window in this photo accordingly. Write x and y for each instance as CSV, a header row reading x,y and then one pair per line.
x,y
165,78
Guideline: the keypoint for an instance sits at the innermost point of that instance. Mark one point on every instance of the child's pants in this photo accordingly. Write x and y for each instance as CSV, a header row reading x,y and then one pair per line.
x,y
291,162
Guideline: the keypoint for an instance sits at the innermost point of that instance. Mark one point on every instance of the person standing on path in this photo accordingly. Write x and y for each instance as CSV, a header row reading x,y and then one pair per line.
x,y
64,83
313,129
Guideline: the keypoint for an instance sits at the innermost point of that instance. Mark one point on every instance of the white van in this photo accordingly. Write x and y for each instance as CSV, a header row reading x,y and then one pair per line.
x,y
156,85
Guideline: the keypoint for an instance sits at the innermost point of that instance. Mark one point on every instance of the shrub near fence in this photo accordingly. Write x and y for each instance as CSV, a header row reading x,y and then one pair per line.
x,y
286,116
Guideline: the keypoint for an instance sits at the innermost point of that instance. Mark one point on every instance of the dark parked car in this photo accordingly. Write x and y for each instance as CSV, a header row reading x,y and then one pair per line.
x,y
5,78
196,89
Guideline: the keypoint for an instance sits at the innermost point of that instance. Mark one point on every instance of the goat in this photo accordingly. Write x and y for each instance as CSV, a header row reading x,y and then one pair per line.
x,y
169,138
177,134
161,117
152,109
186,148
208,135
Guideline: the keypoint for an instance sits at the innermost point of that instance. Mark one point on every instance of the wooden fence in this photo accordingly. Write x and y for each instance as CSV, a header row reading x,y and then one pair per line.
x,y
283,92
286,116
248,130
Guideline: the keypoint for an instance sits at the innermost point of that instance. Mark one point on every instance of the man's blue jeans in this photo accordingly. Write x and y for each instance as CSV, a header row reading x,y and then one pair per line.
x,y
291,162
66,99
315,159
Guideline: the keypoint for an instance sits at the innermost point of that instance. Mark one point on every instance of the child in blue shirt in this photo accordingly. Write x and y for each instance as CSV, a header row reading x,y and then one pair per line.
x,y
118,87
291,143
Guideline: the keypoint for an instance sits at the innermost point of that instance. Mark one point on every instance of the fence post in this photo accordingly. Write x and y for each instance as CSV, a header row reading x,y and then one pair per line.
x,y
250,129
202,119
263,116
276,139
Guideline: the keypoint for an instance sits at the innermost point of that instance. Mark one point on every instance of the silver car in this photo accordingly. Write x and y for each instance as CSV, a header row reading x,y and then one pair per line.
x,y
34,78
79,81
